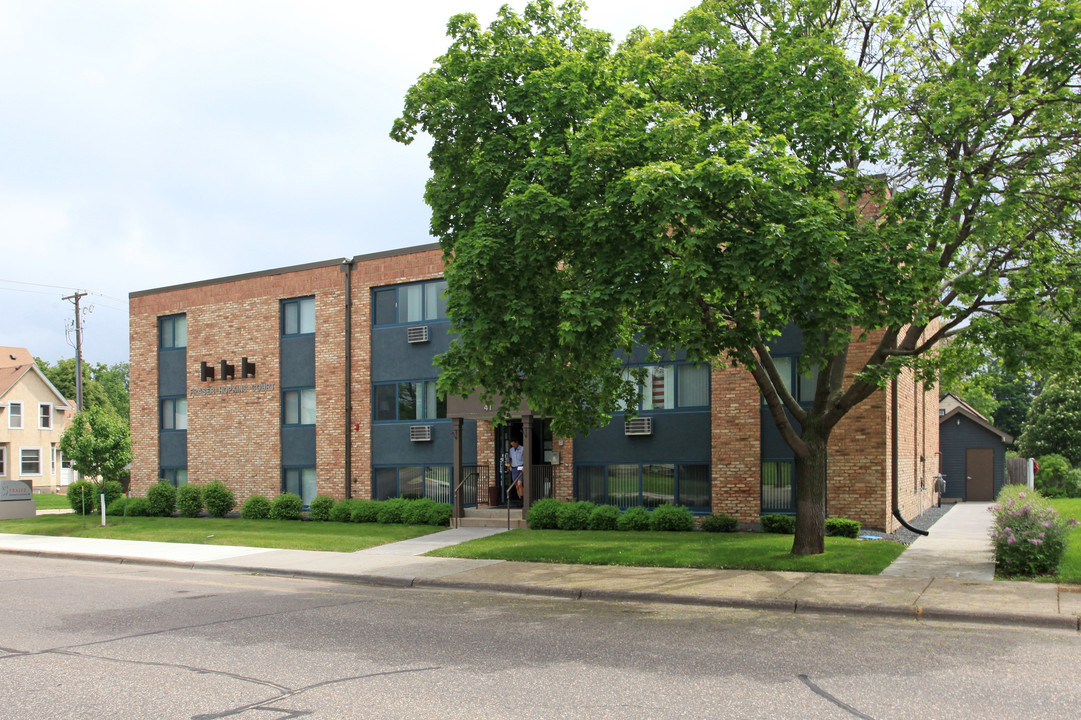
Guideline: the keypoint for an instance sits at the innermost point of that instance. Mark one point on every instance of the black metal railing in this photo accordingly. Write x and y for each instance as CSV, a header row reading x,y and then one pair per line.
x,y
472,477
542,482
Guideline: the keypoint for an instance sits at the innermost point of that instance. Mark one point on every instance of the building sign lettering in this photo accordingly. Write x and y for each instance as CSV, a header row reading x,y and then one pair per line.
x,y
232,389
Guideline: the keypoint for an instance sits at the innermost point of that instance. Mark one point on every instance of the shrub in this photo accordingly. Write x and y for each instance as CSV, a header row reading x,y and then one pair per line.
x,y
343,511
635,518
543,514
842,527
1028,535
320,507
366,511
414,512
138,507
574,516
781,524
671,518
162,498
391,511
80,490
189,500
286,506
439,514
256,507
116,507
719,523
604,517
219,499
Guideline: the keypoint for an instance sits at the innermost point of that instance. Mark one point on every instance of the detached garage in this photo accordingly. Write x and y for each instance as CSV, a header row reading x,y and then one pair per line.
x,y
973,452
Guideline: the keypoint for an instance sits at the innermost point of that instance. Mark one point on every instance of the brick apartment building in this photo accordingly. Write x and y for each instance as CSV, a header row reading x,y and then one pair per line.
x,y
319,379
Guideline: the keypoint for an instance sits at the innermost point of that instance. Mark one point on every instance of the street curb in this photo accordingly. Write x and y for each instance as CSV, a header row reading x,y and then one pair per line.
x,y
914,612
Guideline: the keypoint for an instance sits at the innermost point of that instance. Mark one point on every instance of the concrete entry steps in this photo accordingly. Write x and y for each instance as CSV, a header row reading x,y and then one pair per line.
x,y
488,517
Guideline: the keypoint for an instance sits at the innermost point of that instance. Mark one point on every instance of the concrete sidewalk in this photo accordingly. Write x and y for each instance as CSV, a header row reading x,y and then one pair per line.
x,y
402,565
958,547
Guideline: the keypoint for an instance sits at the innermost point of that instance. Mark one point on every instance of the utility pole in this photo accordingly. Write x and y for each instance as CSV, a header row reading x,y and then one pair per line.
x,y
75,297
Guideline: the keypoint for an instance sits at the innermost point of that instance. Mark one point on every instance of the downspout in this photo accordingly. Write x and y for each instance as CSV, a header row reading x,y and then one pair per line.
x,y
347,268
895,465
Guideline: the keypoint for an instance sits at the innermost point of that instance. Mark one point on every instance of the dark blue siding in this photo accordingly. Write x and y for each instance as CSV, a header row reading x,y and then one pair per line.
x,y
173,449
954,439
298,446
298,361
395,359
677,437
172,378
391,444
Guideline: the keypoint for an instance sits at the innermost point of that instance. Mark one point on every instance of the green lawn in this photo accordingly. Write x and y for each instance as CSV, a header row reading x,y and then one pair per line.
x,y
286,534
52,502
746,551
1070,569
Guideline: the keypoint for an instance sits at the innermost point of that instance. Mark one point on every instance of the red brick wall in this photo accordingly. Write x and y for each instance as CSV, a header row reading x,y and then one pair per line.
x,y
235,437
736,448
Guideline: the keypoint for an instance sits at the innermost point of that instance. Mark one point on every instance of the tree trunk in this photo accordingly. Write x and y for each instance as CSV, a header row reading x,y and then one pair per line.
x,y
811,499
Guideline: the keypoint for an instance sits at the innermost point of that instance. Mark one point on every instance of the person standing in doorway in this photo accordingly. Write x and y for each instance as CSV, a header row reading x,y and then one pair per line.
x,y
516,465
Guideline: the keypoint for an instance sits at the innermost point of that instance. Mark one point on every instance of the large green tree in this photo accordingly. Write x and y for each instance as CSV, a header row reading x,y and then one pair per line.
x,y
104,386
98,444
906,168
1053,425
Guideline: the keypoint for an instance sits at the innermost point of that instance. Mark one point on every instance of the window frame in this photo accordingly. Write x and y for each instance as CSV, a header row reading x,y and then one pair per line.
x,y
672,375
433,305
171,320
171,475
776,510
424,480
679,468
22,462
301,393
300,303
3,461
422,402
796,383
47,416
300,470
12,414
174,399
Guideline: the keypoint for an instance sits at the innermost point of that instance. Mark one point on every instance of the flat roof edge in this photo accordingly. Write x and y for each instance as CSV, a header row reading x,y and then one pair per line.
x,y
284,270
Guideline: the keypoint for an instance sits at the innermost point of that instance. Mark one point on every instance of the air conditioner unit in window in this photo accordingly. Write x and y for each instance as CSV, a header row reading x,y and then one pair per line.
x,y
638,426
420,433
417,334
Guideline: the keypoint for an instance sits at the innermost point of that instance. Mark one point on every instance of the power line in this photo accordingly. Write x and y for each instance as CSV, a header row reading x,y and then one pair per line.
x,y
57,287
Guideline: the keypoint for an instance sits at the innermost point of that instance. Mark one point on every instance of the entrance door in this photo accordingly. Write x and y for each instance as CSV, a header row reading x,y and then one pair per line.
x,y
541,451
980,474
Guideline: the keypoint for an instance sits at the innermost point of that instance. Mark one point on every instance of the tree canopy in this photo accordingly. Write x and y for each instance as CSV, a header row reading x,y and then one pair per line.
x,y
908,169
97,443
104,386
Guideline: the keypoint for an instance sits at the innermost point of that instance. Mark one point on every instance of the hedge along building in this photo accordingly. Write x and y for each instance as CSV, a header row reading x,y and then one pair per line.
x,y
319,379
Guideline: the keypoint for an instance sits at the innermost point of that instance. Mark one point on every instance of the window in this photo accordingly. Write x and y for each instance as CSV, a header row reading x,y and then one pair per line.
x,y
778,488
409,401
52,467
298,407
30,460
667,387
174,414
3,461
645,485
45,416
173,332
298,316
410,303
412,482
15,416
300,481
174,476
803,386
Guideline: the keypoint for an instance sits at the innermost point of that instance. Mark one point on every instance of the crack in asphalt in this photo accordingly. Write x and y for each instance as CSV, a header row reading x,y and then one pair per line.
x,y
822,693
298,691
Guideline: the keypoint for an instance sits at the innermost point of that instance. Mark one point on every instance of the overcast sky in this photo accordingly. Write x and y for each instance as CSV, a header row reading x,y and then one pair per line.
x,y
152,142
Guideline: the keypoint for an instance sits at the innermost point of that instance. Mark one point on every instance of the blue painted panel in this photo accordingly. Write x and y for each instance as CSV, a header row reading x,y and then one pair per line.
x,y
391,445
773,445
172,379
298,361
173,448
393,358
298,446
677,437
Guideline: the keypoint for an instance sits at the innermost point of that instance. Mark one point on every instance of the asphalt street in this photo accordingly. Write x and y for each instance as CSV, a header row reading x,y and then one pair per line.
x,y
83,639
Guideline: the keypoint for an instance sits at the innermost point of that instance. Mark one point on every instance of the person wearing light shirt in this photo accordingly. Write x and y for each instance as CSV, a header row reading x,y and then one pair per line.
x,y
516,465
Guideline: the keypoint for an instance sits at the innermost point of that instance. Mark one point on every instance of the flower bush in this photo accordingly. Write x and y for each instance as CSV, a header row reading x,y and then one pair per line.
x,y
1028,535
